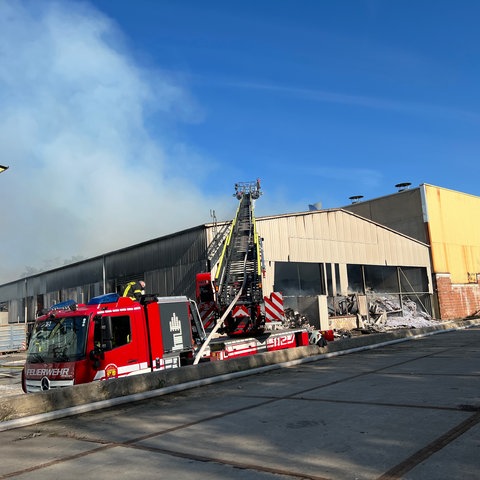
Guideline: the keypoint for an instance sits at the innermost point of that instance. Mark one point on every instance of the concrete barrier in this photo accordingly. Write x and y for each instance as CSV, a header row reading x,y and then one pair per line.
x,y
19,406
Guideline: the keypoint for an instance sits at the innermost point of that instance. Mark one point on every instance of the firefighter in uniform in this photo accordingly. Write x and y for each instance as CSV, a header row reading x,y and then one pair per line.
x,y
134,290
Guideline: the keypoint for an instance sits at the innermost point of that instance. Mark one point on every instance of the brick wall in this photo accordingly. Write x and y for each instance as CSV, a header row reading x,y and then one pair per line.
x,y
457,300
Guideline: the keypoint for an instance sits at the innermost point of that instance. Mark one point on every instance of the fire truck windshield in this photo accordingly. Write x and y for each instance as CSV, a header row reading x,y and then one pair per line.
x,y
58,340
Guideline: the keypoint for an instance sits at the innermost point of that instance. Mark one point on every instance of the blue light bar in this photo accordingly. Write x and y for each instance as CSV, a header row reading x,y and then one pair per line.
x,y
63,305
107,298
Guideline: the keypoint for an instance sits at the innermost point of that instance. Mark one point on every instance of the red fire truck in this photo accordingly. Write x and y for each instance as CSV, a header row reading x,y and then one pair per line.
x,y
113,336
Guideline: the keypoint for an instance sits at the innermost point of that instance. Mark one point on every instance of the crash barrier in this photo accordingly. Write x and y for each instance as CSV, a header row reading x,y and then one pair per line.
x,y
28,409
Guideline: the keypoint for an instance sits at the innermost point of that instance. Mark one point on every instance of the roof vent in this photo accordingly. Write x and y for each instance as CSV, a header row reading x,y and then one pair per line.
x,y
402,186
355,198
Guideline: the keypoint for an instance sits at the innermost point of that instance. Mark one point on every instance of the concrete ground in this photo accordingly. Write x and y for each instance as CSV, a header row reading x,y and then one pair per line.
x,y
11,365
404,411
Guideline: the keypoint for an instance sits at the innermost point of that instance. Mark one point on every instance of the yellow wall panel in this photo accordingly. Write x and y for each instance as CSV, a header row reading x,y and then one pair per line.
x,y
454,228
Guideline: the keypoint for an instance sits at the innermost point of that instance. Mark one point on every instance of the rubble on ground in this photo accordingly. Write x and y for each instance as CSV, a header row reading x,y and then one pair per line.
x,y
386,313
293,319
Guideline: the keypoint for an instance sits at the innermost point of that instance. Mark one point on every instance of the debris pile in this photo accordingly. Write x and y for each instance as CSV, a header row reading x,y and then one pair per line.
x,y
343,305
293,319
386,313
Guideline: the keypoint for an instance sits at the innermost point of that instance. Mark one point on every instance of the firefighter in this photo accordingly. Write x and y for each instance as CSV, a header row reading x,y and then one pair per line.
x,y
134,290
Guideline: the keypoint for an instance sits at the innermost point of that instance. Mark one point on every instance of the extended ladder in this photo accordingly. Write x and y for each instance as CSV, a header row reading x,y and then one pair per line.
x,y
239,271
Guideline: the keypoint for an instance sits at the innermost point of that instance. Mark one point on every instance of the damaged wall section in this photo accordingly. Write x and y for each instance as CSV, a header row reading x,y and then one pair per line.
x,y
342,257
447,221
389,292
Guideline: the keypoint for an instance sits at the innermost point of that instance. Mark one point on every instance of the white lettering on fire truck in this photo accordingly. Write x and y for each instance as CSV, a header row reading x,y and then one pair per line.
x,y
62,372
281,341
176,326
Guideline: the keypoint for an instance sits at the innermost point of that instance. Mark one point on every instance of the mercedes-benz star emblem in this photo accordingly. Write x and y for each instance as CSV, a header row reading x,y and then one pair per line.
x,y
45,383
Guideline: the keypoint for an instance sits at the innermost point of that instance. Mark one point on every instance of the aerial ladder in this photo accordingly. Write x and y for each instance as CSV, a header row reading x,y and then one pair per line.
x,y
236,292
233,303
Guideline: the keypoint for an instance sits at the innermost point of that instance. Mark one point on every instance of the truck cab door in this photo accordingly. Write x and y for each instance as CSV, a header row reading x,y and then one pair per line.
x,y
118,349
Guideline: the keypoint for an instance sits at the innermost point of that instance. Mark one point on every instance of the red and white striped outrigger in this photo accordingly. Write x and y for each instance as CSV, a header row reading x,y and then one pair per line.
x,y
274,310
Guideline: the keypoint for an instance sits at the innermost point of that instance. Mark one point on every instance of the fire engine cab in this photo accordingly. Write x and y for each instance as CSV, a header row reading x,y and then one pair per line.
x,y
110,337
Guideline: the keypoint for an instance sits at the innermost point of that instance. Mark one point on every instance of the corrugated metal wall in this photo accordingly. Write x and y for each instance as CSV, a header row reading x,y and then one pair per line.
x,y
334,236
451,220
401,211
454,233
168,265
337,236
326,247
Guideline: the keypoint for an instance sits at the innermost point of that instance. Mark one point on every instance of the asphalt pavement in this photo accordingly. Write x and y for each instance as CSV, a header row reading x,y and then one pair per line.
x,y
405,411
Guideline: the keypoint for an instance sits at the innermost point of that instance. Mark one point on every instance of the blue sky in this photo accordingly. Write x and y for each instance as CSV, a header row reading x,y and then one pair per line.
x,y
322,99
123,121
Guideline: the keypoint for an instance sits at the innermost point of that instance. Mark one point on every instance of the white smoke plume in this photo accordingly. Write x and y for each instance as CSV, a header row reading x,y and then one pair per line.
x,y
86,175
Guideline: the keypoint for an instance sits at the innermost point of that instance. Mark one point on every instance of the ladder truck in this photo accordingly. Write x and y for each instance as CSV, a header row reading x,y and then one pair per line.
x,y
233,303
112,336
236,292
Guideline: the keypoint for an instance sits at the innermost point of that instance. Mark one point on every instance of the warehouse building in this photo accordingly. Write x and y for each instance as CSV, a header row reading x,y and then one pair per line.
x,y
447,221
332,265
